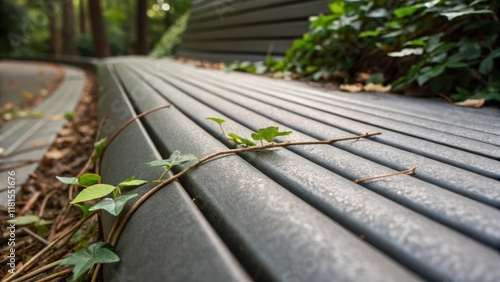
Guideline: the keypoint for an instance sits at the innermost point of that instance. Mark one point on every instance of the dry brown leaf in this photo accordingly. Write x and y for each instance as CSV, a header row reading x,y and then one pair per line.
x,y
57,117
9,106
472,103
27,95
362,77
54,155
358,87
370,87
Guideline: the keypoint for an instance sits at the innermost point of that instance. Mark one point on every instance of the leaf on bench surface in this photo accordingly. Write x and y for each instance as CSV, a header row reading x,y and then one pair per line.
x,y
269,133
175,159
113,206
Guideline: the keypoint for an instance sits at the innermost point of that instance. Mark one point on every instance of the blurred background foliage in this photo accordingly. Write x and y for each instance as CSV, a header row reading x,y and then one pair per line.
x,y
445,47
25,25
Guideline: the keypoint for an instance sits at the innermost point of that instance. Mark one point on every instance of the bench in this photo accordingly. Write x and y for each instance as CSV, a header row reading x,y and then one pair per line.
x,y
229,30
295,214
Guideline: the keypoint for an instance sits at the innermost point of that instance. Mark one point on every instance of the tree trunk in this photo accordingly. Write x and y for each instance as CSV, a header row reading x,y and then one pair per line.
x,y
142,29
51,12
68,28
81,13
101,46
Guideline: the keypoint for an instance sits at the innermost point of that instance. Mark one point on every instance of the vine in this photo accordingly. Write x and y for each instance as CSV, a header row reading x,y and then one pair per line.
x,y
102,252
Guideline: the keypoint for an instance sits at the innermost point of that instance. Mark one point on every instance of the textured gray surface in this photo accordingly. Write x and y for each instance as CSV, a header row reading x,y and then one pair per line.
x,y
167,236
295,214
28,139
253,29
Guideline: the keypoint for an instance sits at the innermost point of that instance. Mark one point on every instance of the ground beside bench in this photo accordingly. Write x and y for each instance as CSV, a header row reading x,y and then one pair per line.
x,y
294,214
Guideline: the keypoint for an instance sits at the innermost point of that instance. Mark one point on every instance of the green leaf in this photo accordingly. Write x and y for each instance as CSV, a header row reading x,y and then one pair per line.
x,y
175,159
430,73
407,52
115,206
486,66
337,7
370,33
406,11
132,182
451,15
217,120
24,220
96,253
85,209
68,180
88,179
269,133
93,192
99,148
238,140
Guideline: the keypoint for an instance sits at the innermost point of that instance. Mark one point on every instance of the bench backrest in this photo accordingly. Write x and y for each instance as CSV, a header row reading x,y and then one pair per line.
x,y
227,30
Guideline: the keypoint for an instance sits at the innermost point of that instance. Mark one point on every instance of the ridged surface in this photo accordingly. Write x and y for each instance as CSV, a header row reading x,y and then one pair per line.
x,y
294,213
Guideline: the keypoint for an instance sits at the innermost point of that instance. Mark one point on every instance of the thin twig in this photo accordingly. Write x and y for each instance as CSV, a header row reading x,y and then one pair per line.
x,y
120,224
38,271
29,263
34,235
44,203
55,275
408,171
31,201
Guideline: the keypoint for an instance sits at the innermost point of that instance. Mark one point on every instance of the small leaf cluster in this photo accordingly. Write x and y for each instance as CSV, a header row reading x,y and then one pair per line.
x,y
267,134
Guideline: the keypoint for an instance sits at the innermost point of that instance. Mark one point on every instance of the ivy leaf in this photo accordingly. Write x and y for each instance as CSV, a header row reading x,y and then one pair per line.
x,y
85,209
99,148
96,253
407,52
24,220
175,159
132,182
269,133
235,138
451,15
428,73
115,206
93,192
406,11
217,120
88,179
68,180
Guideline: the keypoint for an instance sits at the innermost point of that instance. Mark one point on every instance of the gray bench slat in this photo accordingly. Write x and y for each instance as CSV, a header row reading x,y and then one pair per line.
x,y
485,119
181,234
276,14
291,30
270,239
224,8
243,46
456,157
434,134
365,212
409,192
490,134
220,57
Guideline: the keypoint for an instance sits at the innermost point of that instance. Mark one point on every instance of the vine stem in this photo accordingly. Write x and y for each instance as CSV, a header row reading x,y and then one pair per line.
x,y
123,126
408,171
120,224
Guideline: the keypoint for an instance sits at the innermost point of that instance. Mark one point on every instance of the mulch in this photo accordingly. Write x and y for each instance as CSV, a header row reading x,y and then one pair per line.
x,y
44,196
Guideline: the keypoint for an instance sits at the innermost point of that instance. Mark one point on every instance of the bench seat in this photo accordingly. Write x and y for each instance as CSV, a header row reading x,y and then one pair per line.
x,y
295,214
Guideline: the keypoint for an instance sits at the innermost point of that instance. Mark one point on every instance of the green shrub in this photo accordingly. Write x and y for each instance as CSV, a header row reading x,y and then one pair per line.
x,y
171,39
447,46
